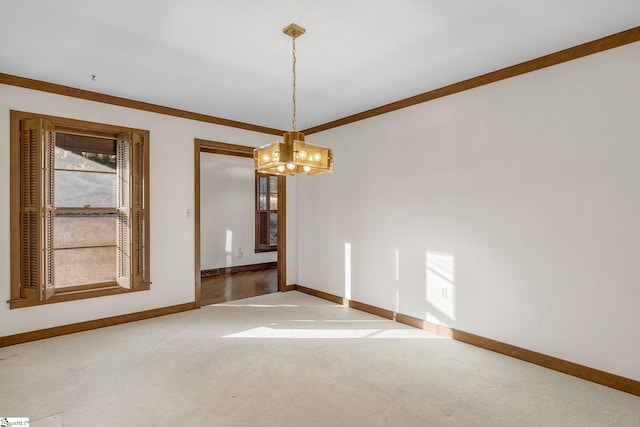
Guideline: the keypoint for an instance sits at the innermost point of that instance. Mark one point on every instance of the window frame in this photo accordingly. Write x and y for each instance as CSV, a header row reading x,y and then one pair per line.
x,y
266,247
79,127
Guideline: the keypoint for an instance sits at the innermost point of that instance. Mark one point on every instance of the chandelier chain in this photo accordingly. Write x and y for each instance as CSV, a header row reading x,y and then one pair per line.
x,y
293,120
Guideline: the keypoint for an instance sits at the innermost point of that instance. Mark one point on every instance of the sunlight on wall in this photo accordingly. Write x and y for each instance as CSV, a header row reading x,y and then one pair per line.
x,y
440,287
228,248
347,270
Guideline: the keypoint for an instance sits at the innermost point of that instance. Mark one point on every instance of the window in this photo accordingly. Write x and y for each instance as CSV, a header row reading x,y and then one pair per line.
x,y
85,220
266,212
79,209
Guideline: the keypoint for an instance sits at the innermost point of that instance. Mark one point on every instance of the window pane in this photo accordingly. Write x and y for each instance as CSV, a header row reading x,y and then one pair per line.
x,y
82,189
73,230
84,178
273,184
84,161
262,193
273,229
85,248
273,202
83,266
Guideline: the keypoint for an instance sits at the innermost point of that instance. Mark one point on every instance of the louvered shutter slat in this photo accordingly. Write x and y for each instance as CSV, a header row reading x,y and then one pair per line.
x,y
124,211
137,193
48,157
29,208
37,209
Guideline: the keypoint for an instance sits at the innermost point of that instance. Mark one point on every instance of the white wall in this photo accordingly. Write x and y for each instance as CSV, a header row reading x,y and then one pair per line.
x,y
171,195
527,191
292,230
227,205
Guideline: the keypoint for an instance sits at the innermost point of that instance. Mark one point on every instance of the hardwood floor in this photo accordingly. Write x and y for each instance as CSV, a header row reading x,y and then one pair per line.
x,y
230,287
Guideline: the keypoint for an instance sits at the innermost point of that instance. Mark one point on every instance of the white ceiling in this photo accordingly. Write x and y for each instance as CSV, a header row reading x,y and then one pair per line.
x,y
229,58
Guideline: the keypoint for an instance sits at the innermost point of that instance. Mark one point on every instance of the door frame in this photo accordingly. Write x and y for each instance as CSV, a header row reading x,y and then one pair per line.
x,y
214,147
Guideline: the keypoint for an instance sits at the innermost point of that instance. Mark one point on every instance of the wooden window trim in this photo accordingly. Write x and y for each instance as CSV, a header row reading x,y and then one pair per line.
x,y
67,125
88,292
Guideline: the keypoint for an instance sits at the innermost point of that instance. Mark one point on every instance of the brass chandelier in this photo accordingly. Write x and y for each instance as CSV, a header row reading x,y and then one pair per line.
x,y
293,155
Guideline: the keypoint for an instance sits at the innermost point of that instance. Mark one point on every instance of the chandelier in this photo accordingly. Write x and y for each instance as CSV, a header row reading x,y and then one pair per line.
x,y
293,155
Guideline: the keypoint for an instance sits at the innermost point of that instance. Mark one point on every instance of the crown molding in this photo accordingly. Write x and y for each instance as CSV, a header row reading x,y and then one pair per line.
x,y
42,86
609,42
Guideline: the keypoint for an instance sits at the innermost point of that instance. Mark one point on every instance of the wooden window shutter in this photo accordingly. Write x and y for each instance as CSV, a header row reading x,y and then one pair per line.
x,y
138,266
131,210
124,249
37,155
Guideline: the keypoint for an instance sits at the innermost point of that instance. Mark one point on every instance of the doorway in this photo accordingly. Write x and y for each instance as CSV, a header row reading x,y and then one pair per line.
x,y
231,266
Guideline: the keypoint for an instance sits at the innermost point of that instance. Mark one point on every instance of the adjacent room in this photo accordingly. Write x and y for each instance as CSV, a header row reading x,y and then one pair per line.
x,y
320,213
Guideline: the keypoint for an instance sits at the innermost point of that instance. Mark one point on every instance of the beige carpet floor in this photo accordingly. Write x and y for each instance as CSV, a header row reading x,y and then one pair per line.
x,y
289,359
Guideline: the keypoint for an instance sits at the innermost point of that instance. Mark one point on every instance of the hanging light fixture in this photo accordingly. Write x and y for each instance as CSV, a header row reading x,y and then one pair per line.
x,y
293,155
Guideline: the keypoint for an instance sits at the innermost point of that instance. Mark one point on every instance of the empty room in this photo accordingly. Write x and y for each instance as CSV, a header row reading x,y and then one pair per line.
x,y
303,213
